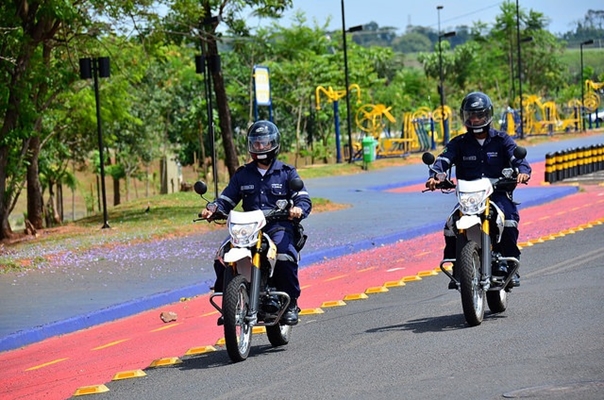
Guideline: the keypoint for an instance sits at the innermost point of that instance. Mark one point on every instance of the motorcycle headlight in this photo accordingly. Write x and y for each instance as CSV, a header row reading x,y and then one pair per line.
x,y
243,234
472,202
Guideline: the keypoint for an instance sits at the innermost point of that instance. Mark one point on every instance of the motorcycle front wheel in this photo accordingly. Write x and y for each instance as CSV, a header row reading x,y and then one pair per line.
x,y
237,332
472,293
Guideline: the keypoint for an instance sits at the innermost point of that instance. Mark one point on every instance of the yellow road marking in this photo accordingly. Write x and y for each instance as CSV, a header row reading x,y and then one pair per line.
x,y
210,313
47,364
110,344
163,328
336,278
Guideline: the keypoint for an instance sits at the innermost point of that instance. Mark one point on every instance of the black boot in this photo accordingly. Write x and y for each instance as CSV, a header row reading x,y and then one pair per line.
x,y
515,281
290,317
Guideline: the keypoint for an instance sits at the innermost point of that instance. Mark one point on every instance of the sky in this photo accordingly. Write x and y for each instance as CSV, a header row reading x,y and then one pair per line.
x,y
563,14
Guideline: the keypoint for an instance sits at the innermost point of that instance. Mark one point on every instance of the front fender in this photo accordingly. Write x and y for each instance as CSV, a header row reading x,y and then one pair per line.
x,y
242,258
467,221
237,253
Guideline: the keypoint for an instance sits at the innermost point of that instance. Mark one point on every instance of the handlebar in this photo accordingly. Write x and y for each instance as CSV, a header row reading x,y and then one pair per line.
x,y
275,214
505,184
445,185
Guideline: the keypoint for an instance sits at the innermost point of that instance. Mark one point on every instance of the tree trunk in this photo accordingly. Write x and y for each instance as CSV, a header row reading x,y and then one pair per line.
x,y
5,231
116,192
59,204
35,204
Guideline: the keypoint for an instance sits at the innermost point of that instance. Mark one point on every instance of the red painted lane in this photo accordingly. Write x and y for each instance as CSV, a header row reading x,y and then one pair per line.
x,y
57,367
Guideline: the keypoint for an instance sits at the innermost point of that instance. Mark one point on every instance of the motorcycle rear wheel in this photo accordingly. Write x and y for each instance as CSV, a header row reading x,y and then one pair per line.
x,y
472,293
237,332
278,334
497,300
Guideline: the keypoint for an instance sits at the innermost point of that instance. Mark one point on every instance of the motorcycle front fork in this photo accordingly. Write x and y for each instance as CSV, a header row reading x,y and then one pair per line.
x,y
256,293
488,282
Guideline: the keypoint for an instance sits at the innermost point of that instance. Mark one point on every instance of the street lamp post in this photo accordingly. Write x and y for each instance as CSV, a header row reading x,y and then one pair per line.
x,y
205,64
523,40
526,39
346,81
441,88
98,68
585,43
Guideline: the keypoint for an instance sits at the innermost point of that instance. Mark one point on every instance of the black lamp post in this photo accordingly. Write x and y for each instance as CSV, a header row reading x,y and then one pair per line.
x,y
346,81
585,43
95,68
523,40
441,90
206,64
526,39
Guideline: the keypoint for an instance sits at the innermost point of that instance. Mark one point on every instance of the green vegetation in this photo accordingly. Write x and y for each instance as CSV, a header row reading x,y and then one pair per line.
x,y
153,105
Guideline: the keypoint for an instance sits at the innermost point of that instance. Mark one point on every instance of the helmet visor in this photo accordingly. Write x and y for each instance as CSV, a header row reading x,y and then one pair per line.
x,y
477,119
262,144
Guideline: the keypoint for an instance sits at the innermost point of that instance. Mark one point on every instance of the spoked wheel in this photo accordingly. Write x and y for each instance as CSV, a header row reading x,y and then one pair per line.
x,y
497,300
237,332
278,334
472,294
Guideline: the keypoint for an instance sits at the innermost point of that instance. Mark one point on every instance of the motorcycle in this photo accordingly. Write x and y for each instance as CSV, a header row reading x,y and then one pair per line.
x,y
250,257
478,223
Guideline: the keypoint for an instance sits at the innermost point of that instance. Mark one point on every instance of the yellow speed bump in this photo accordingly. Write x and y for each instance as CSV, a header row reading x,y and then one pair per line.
x,y
91,390
137,373
376,289
356,296
258,329
391,284
421,274
162,362
200,350
310,311
336,303
411,278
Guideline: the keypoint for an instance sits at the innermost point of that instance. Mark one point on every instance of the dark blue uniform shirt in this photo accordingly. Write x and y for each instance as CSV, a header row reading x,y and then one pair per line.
x,y
474,161
262,192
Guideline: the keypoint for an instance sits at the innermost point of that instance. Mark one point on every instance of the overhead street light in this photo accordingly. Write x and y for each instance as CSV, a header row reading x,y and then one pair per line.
x,y
346,79
581,82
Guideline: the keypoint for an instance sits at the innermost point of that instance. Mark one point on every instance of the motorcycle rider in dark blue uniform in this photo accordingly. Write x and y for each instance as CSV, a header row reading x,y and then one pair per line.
x,y
483,152
259,184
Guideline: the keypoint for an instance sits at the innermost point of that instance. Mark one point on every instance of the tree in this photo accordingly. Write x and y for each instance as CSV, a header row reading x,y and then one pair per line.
x,y
197,21
31,46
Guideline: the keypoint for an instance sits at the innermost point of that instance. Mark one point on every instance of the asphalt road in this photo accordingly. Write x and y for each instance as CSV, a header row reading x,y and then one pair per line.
x,y
412,343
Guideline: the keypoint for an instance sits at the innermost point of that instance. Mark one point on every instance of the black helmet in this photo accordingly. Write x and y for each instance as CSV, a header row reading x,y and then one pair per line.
x,y
476,112
263,139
